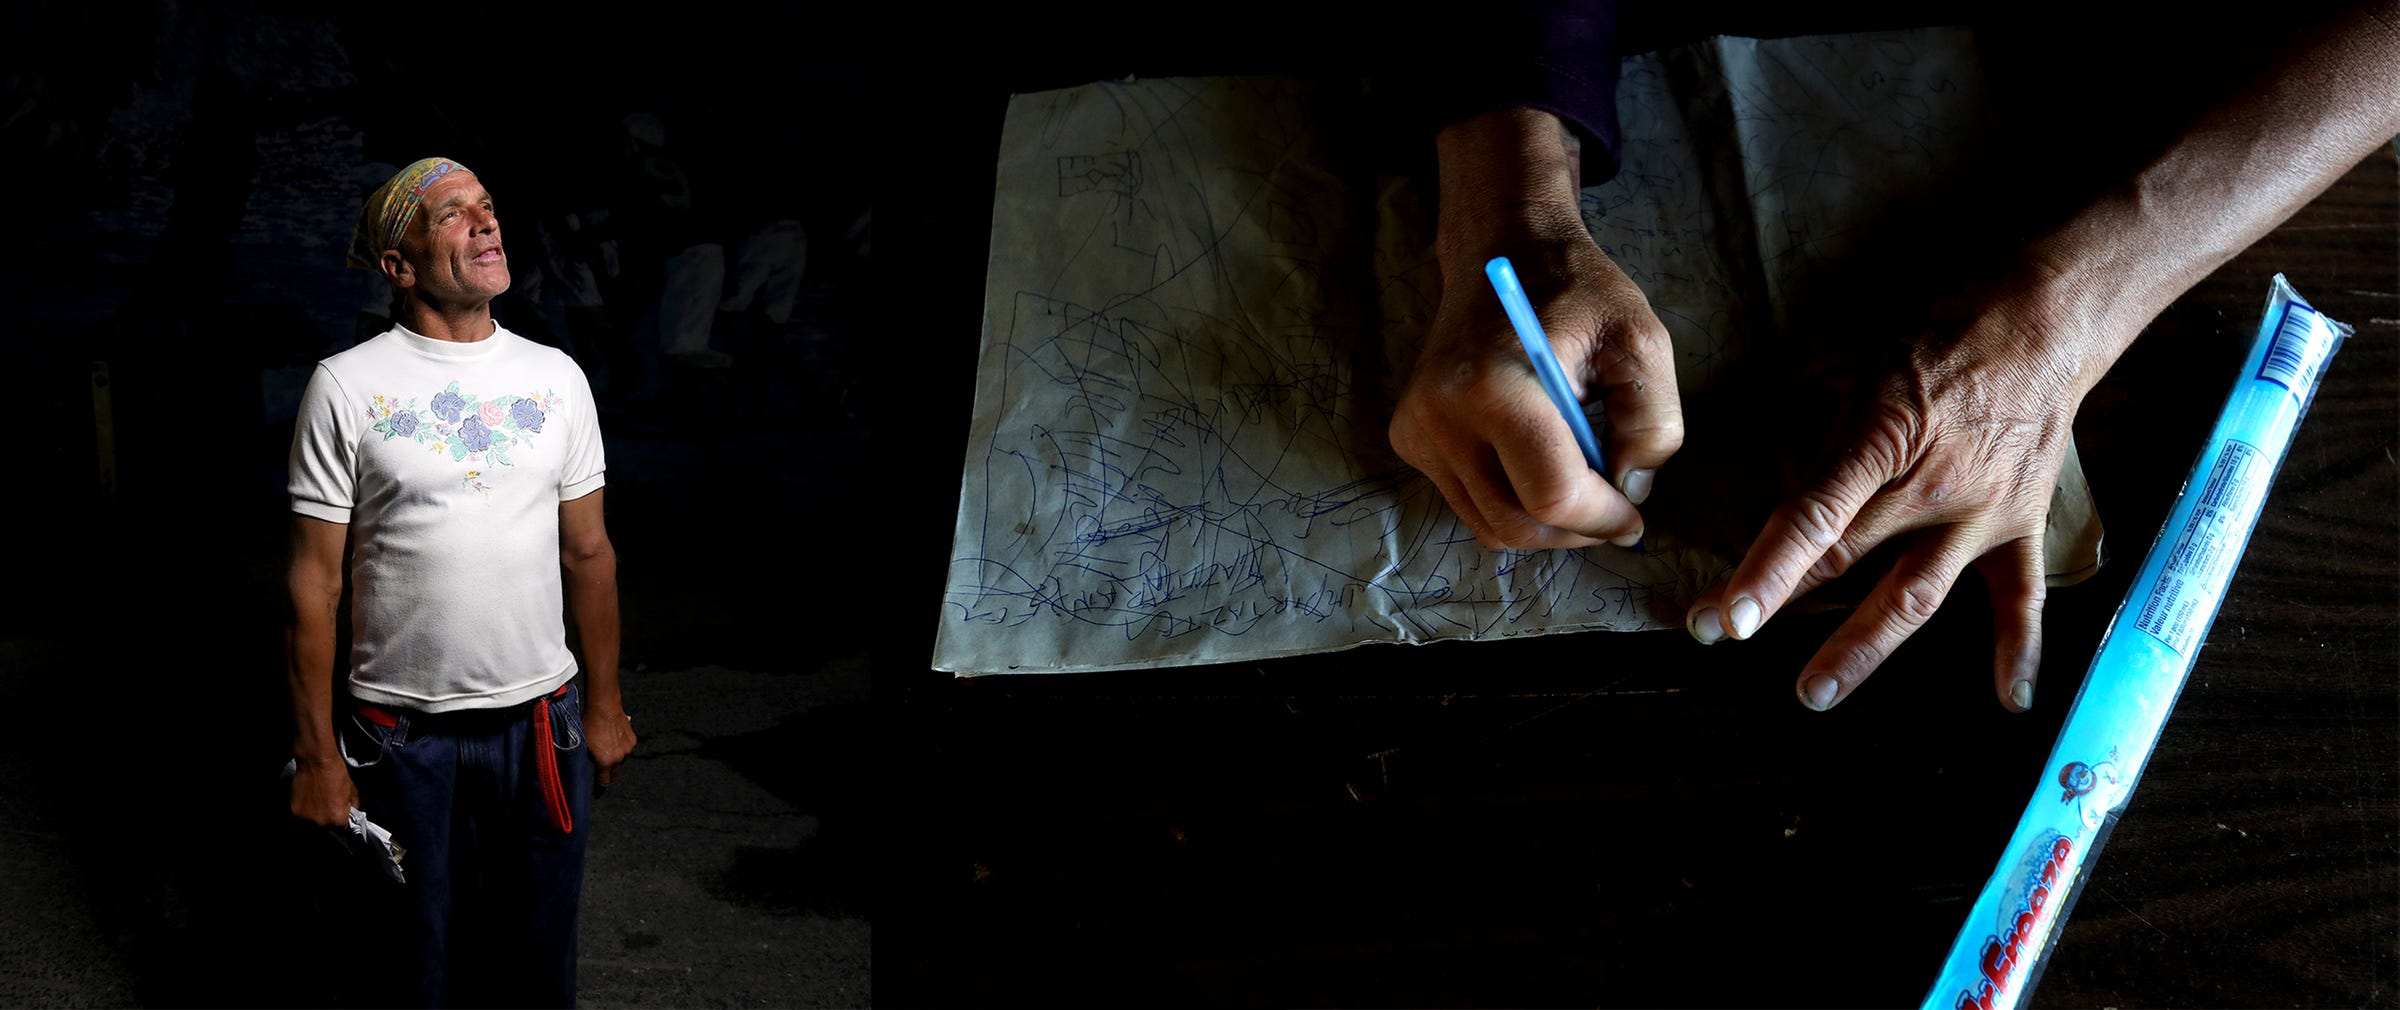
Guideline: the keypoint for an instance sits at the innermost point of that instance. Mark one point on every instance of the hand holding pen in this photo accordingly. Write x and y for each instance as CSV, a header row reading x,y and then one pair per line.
x,y
1510,449
1474,417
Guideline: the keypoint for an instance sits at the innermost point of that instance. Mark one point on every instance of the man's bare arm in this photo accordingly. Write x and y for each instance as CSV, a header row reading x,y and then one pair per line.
x,y
322,792
1956,450
590,564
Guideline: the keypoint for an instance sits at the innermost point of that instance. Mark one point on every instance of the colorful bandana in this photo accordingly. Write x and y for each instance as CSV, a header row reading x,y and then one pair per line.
x,y
387,213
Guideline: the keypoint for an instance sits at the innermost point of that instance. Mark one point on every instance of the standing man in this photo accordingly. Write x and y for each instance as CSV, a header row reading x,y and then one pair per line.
x,y
461,465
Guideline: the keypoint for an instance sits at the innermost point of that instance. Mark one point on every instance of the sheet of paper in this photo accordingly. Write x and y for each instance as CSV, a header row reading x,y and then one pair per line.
x,y
1199,299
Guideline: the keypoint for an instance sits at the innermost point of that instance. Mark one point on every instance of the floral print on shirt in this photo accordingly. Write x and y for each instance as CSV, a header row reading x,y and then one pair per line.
x,y
466,429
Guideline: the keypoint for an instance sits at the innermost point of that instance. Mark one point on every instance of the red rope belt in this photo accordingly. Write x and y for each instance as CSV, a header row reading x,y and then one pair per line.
x,y
554,795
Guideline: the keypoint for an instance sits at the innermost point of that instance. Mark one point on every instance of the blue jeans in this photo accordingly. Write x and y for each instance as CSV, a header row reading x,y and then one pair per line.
x,y
494,839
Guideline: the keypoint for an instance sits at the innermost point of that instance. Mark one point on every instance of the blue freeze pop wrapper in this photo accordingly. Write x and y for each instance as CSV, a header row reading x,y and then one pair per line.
x,y
2141,665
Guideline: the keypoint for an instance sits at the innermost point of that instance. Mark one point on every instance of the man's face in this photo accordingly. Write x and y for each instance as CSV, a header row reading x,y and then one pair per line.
x,y
451,251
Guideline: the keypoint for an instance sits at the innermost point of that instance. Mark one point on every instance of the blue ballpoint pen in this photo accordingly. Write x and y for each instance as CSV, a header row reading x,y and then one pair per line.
x,y
1545,364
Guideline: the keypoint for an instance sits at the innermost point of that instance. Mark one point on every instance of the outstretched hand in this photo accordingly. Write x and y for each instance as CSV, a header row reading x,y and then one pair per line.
x,y
1954,462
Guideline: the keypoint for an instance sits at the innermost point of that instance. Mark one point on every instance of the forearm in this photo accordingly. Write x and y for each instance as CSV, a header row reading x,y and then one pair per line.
x,y
592,599
2241,170
308,671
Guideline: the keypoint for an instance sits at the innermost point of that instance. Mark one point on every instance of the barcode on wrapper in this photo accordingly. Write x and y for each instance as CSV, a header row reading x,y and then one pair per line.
x,y
2298,348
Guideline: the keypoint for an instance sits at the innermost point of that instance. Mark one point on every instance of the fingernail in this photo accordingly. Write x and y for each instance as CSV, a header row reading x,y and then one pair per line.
x,y
1632,539
1745,617
1818,692
1705,628
2021,692
1637,485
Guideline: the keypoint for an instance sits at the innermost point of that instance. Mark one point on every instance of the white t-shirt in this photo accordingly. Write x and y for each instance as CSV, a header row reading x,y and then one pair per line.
x,y
448,461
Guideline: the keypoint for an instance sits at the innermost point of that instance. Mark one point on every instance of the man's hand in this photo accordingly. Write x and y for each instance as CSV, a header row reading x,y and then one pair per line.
x,y
1956,457
1960,448
1473,417
608,737
322,792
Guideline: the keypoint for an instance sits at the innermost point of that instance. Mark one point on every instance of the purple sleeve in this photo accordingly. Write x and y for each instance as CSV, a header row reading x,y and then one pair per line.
x,y
1558,56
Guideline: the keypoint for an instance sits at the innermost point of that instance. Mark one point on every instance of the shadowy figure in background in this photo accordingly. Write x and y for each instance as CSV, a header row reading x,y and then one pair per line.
x,y
579,263
674,266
